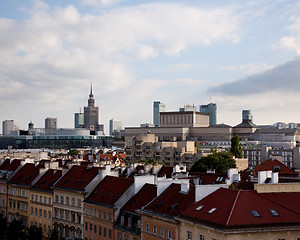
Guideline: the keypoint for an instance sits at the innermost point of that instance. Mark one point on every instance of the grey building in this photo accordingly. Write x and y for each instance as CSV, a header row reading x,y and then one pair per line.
x,y
8,126
78,120
50,126
114,125
91,114
158,107
211,109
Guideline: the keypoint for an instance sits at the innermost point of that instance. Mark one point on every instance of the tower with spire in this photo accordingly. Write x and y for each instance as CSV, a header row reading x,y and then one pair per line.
x,y
91,113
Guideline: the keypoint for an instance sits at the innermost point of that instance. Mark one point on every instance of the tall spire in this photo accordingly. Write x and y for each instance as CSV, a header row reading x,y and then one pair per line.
x,y
91,92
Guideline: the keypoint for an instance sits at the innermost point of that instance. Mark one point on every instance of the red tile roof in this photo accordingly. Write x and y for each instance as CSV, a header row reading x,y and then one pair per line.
x,y
269,164
172,201
146,194
165,171
288,199
109,190
47,180
232,208
9,166
77,178
210,178
26,174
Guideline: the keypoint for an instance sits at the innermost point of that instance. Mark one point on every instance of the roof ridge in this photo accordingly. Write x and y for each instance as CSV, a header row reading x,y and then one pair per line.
x,y
233,206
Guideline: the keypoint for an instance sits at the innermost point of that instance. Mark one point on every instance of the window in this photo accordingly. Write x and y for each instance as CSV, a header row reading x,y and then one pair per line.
x,y
87,210
56,198
105,215
201,237
86,226
95,229
44,228
188,235
36,212
26,193
62,199
40,213
212,210
18,192
199,208
41,199
91,211
147,228
274,212
14,191
67,200
154,229
122,220
100,230
109,216
36,198
129,221
91,227
79,203
67,215
73,217
95,212
100,214
45,200
3,189
49,215
170,236
104,232
45,213
162,232
31,211
138,223
126,237
32,197
73,201
109,233
255,213
49,200
22,192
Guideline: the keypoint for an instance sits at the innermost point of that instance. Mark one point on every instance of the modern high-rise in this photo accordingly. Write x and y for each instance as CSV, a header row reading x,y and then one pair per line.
x,y
114,125
211,109
8,126
78,120
158,107
246,116
50,123
91,114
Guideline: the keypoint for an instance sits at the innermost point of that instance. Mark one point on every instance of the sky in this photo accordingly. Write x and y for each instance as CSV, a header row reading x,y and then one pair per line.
x,y
237,54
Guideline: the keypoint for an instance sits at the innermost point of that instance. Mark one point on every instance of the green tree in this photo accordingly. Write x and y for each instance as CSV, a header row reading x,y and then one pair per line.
x,y
219,161
236,148
34,233
16,231
74,152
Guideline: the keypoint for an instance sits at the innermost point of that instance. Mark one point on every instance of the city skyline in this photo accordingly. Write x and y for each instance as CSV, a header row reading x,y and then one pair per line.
x,y
239,56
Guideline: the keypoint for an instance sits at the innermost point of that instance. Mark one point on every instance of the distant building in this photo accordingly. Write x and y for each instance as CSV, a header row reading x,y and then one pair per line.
x,y
78,120
188,108
8,126
158,107
91,114
50,126
114,125
211,109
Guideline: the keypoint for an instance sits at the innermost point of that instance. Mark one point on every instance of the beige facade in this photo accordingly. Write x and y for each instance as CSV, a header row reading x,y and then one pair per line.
x,y
68,213
99,222
147,147
184,119
190,230
277,187
18,202
40,214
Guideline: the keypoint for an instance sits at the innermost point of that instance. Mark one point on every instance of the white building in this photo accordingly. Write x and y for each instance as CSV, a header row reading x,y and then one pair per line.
x,y
115,126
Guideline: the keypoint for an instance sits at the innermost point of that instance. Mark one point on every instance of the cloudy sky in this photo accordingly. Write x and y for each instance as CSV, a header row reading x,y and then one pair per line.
x,y
238,54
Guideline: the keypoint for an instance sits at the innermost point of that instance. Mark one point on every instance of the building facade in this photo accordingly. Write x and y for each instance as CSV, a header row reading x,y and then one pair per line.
x,y
158,107
8,126
114,126
211,109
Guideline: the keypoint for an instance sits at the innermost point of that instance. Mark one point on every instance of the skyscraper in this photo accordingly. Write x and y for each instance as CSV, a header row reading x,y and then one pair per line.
x,y
211,109
91,114
50,126
78,120
157,108
114,125
8,127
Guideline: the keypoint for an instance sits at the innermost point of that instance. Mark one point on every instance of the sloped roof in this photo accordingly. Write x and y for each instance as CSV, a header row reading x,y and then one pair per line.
x,y
77,178
165,171
26,174
221,125
246,125
47,180
286,131
109,190
269,164
172,201
144,196
232,208
9,166
210,178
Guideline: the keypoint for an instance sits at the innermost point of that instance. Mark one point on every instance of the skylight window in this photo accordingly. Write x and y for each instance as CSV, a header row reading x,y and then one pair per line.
x,y
255,213
199,208
274,212
212,210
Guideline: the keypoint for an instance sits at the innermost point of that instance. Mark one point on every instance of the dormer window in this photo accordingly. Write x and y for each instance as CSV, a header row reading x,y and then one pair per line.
x,y
122,220
255,213
199,208
274,212
129,221
212,210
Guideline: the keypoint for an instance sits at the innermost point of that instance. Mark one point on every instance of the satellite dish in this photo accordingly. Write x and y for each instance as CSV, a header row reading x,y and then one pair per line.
x,y
276,169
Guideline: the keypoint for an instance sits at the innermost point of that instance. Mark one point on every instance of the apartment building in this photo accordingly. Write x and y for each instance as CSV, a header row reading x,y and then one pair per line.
x,y
19,191
69,193
41,201
147,147
7,168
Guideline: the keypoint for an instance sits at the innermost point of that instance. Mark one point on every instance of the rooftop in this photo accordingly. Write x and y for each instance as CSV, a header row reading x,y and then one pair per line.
x,y
47,180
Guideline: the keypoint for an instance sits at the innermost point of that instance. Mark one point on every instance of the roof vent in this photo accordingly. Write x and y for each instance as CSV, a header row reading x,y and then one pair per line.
x,y
276,169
